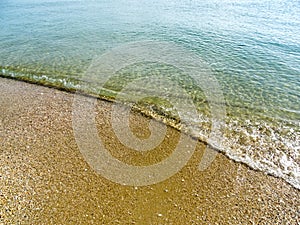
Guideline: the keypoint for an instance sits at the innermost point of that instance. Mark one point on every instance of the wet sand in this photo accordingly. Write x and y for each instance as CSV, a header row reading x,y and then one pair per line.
x,y
44,178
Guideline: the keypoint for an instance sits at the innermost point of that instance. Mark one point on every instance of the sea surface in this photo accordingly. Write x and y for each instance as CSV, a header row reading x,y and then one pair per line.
x,y
251,47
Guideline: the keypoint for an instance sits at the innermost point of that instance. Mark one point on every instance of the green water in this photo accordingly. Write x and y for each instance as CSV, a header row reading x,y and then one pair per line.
x,y
252,48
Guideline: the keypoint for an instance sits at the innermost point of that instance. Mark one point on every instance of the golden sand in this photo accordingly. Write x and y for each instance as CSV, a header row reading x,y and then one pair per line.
x,y
44,178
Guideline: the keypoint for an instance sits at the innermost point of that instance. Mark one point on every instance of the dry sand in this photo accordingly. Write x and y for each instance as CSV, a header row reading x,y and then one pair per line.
x,y
44,178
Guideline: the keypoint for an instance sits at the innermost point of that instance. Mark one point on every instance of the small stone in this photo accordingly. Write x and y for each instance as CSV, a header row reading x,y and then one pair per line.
x,y
159,215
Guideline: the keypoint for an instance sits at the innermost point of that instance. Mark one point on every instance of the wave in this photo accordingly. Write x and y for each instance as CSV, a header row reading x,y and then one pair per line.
x,y
271,146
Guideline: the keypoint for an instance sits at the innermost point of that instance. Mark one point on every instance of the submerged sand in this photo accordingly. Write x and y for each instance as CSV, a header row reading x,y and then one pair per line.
x,y
44,178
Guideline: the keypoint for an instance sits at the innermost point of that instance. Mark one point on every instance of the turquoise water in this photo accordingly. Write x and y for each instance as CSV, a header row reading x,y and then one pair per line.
x,y
252,48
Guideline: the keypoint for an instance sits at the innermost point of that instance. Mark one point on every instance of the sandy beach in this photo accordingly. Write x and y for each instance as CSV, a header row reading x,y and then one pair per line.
x,y
44,178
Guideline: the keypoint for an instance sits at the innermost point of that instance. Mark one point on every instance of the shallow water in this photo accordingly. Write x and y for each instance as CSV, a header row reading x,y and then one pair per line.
x,y
251,47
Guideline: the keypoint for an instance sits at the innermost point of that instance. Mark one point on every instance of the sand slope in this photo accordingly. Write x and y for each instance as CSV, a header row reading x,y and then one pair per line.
x,y
44,178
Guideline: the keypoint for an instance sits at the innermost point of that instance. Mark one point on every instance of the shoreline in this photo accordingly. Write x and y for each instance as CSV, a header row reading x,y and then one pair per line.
x,y
45,179
171,122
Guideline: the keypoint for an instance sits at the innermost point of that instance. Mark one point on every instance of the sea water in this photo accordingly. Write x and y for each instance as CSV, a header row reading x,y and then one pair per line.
x,y
251,47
